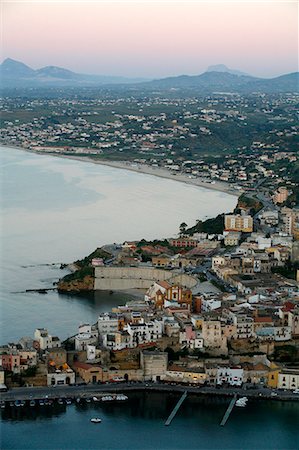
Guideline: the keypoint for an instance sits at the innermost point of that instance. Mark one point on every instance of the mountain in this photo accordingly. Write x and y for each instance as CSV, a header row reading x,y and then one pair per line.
x,y
217,78
15,69
218,81
224,68
17,74
57,72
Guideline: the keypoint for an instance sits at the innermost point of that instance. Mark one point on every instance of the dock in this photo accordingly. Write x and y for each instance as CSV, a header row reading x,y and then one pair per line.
x,y
175,409
229,410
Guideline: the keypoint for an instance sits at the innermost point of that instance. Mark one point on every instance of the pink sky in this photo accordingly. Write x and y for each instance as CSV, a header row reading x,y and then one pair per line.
x,y
153,39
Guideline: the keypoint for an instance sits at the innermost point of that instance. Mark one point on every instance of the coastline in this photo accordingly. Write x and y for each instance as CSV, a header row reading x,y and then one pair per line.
x,y
140,168
38,392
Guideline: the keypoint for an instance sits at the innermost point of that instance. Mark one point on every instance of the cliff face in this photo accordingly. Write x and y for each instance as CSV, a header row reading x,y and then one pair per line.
x,y
85,284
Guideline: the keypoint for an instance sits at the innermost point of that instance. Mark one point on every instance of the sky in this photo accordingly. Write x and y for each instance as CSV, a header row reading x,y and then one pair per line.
x,y
152,38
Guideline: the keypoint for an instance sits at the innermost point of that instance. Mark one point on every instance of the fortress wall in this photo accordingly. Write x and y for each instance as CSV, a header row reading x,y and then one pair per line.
x,y
120,278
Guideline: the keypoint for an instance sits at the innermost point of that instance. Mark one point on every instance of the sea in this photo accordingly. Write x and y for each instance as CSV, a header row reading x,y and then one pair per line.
x,y
57,210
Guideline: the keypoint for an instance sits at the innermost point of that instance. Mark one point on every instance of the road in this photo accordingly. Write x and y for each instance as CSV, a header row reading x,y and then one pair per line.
x,y
27,393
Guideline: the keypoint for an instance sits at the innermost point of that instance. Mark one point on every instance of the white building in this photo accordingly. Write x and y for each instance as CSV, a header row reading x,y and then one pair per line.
x,y
45,340
107,323
231,376
288,379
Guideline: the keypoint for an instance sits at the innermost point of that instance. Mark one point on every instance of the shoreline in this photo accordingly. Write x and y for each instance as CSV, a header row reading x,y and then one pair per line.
x,y
142,169
28,393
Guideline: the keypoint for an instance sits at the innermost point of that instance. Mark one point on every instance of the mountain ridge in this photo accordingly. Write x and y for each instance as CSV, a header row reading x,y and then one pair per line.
x,y
217,78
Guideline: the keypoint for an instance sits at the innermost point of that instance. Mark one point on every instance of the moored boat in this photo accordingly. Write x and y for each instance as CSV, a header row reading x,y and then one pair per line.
x,y
96,420
121,397
242,402
108,398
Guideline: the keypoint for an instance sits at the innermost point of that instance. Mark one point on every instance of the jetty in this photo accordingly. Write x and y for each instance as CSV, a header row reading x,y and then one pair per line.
x,y
229,410
175,409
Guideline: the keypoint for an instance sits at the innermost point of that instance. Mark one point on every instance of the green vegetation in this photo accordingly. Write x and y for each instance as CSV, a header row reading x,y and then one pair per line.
x,y
286,353
30,372
98,253
293,199
211,226
79,274
289,270
251,203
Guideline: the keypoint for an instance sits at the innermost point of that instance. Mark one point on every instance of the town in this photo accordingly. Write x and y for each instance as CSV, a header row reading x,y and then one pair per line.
x,y
217,306
193,136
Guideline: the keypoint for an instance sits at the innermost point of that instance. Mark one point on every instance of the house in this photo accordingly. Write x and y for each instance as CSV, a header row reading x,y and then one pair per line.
x,y
89,373
154,364
232,238
60,375
288,379
230,375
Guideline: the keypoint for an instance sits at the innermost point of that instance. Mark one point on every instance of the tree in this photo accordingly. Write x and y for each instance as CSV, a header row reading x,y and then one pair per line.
x,y
183,227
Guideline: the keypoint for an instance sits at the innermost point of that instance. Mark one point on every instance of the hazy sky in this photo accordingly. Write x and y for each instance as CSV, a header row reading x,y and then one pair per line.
x,y
153,38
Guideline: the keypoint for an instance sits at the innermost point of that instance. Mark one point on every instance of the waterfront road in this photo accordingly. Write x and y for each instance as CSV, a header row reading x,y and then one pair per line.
x,y
28,393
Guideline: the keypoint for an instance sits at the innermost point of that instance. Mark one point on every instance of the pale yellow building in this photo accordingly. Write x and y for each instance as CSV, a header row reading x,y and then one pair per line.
x,y
237,222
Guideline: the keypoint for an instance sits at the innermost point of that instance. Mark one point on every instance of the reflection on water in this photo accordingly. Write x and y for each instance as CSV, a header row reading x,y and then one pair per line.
x,y
139,424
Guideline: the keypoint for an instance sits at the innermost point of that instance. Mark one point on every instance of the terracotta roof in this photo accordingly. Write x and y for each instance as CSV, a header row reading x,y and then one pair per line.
x,y
164,284
85,366
288,306
263,319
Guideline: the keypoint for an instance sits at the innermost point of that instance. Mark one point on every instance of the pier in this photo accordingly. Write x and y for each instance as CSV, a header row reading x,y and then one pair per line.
x,y
229,410
175,409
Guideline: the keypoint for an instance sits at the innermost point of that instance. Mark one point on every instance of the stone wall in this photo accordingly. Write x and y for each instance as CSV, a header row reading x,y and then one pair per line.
x,y
122,278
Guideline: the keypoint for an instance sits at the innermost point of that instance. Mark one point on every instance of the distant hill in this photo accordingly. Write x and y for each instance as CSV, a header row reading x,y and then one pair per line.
x,y
224,68
217,78
219,81
17,74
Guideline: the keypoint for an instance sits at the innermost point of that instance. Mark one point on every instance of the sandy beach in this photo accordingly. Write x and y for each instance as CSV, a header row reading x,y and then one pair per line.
x,y
143,168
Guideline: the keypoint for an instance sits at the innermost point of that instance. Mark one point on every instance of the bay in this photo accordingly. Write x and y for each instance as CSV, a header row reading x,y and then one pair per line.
x,y
58,210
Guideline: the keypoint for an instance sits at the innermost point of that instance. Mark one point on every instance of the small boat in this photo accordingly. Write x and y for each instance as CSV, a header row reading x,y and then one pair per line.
x,y
11,404
96,399
18,403
41,402
88,400
242,402
121,397
32,403
60,401
96,420
2,404
68,401
78,400
107,398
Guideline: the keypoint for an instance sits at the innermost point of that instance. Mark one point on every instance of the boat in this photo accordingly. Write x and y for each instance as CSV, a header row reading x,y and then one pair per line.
x,y
32,403
68,401
41,402
60,401
96,399
96,420
242,402
107,398
121,397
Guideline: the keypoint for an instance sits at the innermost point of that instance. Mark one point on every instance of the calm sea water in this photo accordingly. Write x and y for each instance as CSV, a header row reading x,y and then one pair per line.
x,y
139,424
56,210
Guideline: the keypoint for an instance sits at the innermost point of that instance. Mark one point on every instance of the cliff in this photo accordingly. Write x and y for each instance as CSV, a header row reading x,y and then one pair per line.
x,y
76,285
